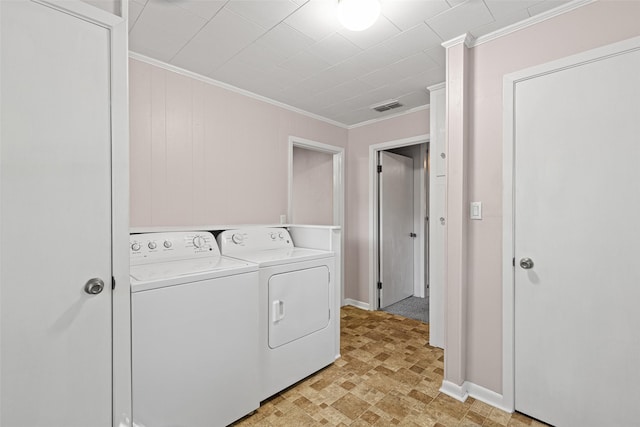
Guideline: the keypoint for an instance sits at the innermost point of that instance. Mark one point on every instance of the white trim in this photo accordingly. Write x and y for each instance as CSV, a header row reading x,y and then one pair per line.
x,y
469,389
356,303
373,214
487,396
338,154
508,252
391,116
536,19
209,80
437,86
458,392
465,38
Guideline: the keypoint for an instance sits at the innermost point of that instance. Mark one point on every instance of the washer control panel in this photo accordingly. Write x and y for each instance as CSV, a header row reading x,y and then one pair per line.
x,y
253,239
147,248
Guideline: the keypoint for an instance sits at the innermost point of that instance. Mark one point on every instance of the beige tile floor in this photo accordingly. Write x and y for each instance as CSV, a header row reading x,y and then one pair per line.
x,y
388,375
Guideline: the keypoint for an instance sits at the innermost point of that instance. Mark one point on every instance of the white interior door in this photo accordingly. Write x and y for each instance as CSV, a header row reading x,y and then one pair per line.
x,y
55,219
396,228
577,199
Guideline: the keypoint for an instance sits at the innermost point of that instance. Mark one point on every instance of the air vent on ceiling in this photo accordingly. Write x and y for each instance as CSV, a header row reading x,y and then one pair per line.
x,y
387,105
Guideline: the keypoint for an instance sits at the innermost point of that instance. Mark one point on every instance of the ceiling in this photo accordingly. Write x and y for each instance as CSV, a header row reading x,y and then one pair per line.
x,y
296,52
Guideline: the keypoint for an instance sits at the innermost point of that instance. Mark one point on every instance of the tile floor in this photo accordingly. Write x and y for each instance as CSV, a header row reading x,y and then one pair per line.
x,y
387,376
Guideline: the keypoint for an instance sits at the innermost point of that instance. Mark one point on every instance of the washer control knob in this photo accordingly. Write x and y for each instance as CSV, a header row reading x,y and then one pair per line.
x,y
237,238
273,236
281,235
199,242
167,244
152,245
135,246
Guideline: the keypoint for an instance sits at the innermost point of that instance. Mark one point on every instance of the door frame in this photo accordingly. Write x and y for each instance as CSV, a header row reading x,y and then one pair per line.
x,y
419,257
338,188
120,295
508,220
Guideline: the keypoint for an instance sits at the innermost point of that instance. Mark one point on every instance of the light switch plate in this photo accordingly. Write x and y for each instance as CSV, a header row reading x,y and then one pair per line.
x,y
476,210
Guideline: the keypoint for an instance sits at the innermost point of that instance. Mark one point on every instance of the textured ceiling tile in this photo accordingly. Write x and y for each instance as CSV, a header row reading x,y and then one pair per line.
x,y
407,13
382,30
205,52
438,54
407,67
334,49
205,9
501,8
457,21
265,13
501,22
134,13
316,19
305,64
414,40
257,55
162,29
286,40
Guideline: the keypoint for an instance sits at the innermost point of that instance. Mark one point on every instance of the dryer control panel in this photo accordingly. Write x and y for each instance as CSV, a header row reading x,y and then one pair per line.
x,y
147,248
254,239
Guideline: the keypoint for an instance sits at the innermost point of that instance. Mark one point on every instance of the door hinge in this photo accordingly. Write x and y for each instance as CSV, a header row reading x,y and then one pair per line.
x,y
514,262
379,168
379,285
113,282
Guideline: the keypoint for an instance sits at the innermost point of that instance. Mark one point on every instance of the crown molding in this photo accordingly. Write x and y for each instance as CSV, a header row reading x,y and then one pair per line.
x,y
465,38
392,116
541,17
209,80
437,86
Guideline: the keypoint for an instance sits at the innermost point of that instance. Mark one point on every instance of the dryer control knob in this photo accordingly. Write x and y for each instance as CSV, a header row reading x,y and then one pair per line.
x,y
273,236
237,238
199,242
152,245
167,244
135,246
281,235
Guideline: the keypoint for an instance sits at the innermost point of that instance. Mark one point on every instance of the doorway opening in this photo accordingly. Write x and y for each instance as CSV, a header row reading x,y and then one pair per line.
x,y
399,229
315,175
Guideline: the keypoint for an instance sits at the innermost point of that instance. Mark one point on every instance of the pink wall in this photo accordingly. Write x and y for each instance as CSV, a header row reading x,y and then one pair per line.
x,y
201,154
588,27
312,197
357,193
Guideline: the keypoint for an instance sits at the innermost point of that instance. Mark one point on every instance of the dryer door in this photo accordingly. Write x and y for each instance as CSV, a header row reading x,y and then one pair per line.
x,y
298,304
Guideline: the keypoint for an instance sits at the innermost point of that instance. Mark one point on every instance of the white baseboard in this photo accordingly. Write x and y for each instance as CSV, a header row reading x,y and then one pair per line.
x,y
458,392
468,389
356,303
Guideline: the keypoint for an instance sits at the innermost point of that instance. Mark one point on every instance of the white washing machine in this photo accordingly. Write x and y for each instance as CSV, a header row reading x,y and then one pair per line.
x,y
297,304
194,332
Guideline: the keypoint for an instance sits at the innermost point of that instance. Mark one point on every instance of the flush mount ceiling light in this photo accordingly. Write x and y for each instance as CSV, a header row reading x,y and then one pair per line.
x,y
358,15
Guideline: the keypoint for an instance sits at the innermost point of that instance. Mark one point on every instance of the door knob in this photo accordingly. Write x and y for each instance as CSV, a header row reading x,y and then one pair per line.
x,y
526,263
413,235
441,220
94,286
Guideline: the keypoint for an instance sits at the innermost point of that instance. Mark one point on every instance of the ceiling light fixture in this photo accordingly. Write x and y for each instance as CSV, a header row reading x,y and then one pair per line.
x,y
358,15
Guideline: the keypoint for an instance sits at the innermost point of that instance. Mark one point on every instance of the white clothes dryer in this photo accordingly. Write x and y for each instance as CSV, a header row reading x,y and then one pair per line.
x,y
297,309
194,332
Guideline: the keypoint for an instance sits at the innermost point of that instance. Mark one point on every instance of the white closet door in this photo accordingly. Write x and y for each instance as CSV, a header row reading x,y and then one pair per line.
x,y
396,226
55,219
577,199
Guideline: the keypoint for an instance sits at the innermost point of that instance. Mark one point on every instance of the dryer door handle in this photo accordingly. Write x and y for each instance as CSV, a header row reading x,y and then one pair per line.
x,y
278,311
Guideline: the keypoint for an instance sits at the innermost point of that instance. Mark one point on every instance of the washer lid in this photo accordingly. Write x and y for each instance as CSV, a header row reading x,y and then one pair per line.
x,y
161,274
282,256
